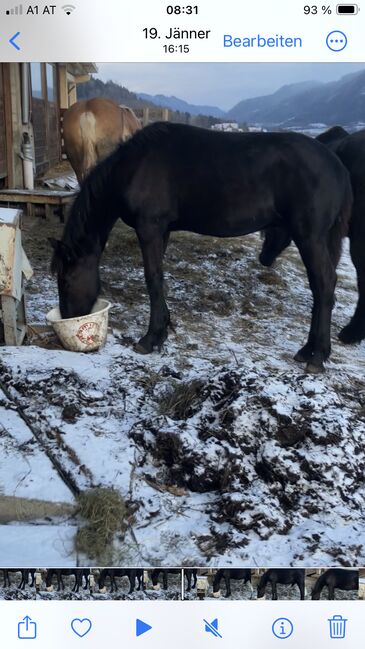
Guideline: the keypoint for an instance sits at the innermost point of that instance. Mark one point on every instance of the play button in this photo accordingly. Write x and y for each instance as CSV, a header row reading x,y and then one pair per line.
x,y
142,627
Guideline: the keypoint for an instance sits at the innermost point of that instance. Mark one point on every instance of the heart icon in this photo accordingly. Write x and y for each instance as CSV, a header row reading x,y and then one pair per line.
x,y
81,627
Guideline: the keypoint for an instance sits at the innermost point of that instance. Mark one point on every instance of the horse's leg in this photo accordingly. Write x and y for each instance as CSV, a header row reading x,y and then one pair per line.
x,y
354,332
164,578
166,238
22,581
188,577
152,246
301,588
331,591
274,590
276,239
132,581
322,280
228,585
165,241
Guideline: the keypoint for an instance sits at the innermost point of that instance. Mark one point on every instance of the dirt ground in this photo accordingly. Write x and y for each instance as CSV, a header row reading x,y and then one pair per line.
x,y
224,450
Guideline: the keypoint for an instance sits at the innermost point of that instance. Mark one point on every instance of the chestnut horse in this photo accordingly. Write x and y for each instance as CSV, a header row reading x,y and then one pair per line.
x,y
92,129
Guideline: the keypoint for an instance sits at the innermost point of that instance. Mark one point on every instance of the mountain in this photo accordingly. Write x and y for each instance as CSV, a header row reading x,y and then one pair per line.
x,y
302,104
121,95
174,103
116,92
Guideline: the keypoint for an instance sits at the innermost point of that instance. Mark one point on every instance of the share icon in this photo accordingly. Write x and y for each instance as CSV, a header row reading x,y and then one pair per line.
x,y
212,627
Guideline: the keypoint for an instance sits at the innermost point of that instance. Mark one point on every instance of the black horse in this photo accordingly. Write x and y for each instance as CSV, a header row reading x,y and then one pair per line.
x,y
59,573
336,578
25,573
191,578
165,573
140,579
351,151
82,579
286,576
112,573
171,177
227,575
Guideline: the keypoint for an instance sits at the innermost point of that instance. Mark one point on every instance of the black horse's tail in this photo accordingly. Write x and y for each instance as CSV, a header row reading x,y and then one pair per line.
x,y
318,586
340,228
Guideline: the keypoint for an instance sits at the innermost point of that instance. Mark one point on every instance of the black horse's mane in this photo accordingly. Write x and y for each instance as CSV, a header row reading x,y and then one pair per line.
x,y
93,204
336,132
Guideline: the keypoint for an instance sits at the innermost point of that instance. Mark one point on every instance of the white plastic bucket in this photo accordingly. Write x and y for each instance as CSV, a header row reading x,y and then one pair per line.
x,y
85,333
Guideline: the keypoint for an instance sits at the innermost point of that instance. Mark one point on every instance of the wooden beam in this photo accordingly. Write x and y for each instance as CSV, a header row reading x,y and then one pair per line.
x,y
8,124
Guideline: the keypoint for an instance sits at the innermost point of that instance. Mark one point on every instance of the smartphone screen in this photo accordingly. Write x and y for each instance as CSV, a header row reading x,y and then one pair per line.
x,y
182,323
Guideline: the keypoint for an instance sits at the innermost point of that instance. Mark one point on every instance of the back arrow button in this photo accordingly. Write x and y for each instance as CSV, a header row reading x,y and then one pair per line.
x,y
13,39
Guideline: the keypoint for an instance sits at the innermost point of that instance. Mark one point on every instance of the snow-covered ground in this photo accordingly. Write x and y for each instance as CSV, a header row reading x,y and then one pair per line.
x,y
224,449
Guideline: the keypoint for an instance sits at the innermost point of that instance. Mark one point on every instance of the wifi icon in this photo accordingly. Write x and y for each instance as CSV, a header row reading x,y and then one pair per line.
x,y
68,9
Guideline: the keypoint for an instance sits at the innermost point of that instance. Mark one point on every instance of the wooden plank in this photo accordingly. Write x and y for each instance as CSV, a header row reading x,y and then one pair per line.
x,y
48,193
34,200
49,211
20,196
12,315
30,209
8,124
3,158
8,308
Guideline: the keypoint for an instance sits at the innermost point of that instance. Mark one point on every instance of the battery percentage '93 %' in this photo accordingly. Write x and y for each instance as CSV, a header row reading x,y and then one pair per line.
x,y
314,10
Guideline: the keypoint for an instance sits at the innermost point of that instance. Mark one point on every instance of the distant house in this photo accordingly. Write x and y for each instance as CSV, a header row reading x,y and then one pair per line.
x,y
227,126
32,98
257,129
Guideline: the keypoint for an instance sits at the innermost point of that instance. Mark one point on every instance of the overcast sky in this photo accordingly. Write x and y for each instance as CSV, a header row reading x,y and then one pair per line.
x,y
219,84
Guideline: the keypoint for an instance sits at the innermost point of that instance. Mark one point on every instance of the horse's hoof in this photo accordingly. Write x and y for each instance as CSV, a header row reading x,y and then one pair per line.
x,y
314,369
141,349
304,355
266,261
300,358
349,336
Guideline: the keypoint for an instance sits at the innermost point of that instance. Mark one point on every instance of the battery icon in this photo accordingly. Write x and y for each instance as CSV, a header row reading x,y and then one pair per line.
x,y
347,10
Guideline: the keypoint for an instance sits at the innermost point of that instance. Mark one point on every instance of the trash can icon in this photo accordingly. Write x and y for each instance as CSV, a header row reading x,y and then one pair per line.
x,y
337,626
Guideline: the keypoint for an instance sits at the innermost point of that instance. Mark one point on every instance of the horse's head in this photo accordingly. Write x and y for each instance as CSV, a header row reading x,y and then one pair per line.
x,y
77,276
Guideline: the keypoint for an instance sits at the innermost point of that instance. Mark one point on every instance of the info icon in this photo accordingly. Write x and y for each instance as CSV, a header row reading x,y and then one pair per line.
x,y
282,628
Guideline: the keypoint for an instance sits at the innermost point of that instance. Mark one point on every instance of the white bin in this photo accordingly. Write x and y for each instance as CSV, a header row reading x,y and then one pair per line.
x,y
85,333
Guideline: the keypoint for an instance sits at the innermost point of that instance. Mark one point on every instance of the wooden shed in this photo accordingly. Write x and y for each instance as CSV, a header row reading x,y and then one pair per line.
x,y
32,97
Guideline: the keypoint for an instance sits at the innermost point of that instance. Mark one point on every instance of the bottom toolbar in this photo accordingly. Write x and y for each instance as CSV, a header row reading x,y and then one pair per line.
x,y
131,623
